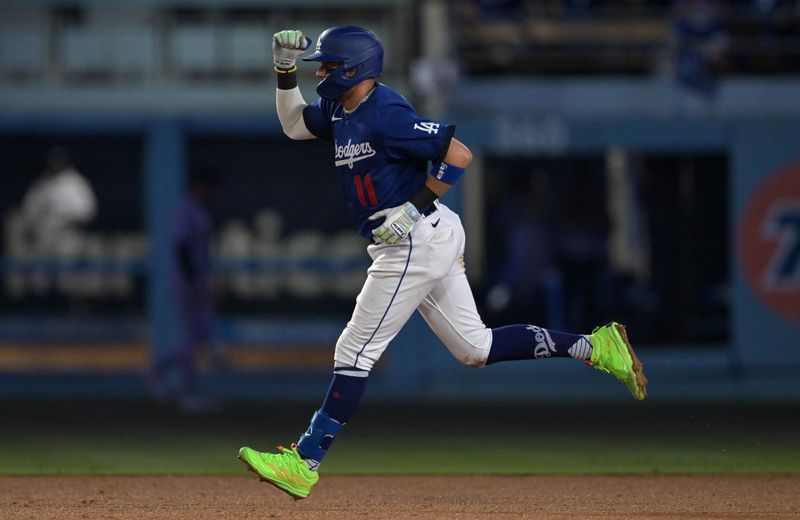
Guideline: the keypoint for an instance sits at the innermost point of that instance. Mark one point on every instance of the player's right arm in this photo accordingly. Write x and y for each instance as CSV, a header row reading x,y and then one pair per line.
x,y
295,115
457,155
411,137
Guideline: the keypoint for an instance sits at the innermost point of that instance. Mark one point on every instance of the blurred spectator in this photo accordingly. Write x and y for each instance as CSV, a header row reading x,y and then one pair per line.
x,y
582,230
700,43
778,17
433,81
526,286
779,22
192,292
54,210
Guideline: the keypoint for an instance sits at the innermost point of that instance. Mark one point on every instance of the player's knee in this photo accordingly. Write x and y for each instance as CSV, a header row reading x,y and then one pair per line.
x,y
471,353
474,358
469,347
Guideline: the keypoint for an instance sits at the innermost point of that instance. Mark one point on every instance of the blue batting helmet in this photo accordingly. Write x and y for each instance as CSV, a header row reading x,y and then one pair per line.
x,y
357,48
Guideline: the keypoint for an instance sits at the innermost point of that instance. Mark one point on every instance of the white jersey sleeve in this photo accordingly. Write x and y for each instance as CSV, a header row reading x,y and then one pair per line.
x,y
290,105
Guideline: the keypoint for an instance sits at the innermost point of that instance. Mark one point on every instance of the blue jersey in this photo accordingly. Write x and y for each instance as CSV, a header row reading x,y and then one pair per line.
x,y
381,151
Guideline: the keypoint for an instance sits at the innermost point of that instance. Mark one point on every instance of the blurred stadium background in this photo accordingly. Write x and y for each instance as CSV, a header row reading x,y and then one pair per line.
x,y
635,160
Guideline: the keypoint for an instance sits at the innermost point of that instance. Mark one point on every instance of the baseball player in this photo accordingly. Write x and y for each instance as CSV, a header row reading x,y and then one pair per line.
x,y
382,149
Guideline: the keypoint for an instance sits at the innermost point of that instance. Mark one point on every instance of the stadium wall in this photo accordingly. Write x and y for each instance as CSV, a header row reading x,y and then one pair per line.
x,y
762,146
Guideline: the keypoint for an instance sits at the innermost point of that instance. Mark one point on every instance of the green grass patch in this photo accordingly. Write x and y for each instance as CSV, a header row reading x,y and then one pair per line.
x,y
41,438
420,454
562,455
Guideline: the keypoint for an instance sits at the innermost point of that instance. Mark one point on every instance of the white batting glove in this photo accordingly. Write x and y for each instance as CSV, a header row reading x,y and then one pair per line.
x,y
287,45
398,223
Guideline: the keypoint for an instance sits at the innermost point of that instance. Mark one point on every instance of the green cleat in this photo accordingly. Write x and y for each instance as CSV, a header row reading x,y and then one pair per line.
x,y
613,354
285,470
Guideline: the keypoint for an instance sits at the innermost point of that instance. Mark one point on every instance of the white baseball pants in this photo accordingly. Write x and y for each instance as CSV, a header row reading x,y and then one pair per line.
x,y
424,272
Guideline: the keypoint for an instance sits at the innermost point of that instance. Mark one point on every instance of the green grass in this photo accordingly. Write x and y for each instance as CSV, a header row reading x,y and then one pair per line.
x,y
200,453
598,455
435,441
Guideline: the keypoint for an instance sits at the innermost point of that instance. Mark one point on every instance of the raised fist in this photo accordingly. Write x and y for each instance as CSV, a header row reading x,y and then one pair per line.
x,y
287,46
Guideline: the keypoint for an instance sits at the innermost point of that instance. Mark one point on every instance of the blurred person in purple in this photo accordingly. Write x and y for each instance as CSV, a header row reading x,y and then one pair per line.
x,y
700,43
526,276
192,292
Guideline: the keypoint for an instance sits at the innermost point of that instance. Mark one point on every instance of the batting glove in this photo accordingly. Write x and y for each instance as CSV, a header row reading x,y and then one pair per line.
x,y
287,45
398,223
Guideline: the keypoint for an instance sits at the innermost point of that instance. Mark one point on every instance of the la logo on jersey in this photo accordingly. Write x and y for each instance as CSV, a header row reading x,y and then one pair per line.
x,y
427,126
769,242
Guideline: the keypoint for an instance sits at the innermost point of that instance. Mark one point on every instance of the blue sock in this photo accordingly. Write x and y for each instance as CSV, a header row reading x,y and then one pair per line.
x,y
341,402
531,342
344,396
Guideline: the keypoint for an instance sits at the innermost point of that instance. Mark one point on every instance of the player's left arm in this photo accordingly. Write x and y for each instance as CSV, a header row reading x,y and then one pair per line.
x,y
457,156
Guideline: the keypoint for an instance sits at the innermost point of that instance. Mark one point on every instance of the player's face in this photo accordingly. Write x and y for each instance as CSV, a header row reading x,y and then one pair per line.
x,y
326,67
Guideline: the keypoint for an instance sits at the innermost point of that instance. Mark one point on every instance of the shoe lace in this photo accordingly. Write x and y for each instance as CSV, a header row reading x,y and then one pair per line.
x,y
292,447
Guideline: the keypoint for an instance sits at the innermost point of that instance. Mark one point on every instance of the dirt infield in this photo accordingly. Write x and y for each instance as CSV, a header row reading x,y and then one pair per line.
x,y
478,497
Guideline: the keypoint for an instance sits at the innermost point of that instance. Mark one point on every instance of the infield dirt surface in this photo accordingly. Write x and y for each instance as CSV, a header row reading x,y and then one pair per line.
x,y
390,497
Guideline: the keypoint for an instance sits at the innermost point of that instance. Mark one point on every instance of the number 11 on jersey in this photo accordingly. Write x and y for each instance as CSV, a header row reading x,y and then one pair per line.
x,y
370,189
